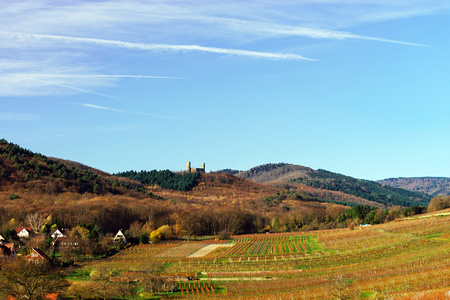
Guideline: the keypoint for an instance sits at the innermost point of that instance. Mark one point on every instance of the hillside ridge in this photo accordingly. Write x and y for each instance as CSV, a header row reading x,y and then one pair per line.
x,y
325,180
433,186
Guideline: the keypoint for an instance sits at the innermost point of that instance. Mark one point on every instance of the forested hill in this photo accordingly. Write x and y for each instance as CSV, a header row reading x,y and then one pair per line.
x,y
433,186
275,172
322,179
22,169
165,179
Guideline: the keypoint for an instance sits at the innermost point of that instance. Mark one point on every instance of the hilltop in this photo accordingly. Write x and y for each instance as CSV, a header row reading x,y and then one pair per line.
x,y
321,180
433,186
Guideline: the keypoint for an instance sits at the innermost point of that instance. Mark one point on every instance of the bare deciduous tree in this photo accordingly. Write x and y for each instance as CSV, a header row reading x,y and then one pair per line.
x,y
26,280
35,221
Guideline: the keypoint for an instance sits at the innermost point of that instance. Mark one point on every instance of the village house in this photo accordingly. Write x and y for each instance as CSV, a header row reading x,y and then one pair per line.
x,y
56,233
66,242
23,232
7,251
38,256
119,235
51,296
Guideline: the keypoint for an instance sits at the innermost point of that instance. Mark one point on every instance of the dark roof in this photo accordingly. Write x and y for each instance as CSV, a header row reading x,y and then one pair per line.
x,y
4,251
40,253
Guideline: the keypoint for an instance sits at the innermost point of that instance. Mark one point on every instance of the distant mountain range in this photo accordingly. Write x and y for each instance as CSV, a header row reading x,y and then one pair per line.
x,y
325,180
433,186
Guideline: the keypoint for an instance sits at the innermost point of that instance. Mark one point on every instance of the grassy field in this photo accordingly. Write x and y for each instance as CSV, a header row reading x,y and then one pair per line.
x,y
406,259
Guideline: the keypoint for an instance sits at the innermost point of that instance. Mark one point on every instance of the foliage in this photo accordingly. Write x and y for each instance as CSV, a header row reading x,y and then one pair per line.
x,y
439,203
10,234
165,231
165,179
13,196
155,236
144,238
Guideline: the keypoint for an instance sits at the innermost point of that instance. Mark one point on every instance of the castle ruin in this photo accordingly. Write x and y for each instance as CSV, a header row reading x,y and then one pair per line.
x,y
193,170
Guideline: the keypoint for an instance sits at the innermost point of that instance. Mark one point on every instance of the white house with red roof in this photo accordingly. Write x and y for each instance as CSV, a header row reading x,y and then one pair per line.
x,y
24,232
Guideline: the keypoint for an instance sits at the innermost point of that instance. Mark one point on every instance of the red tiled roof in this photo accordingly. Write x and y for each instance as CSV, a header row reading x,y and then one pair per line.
x,y
52,296
19,229
9,245
4,251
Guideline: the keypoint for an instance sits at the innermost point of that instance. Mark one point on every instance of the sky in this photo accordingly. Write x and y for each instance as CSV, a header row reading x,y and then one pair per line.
x,y
357,87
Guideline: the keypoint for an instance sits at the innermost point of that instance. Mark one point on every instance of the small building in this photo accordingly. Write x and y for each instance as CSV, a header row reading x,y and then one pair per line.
x,y
38,256
193,170
2,238
119,235
23,232
56,233
11,247
66,242
51,296
7,251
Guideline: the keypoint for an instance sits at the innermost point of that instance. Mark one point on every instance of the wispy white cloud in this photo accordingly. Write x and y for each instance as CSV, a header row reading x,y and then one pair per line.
x,y
23,77
22,84
152,47
128,112
90,76
286,30
11,116
66,37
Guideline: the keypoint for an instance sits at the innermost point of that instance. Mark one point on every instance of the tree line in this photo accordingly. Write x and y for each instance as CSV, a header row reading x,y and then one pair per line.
x,y
165,179
26,166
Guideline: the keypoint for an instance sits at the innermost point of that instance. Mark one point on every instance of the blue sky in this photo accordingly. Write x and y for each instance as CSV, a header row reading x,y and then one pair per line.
x,y
355,87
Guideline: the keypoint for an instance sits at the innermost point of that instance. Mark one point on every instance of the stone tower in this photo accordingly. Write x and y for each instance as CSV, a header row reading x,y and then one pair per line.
x,y
193,170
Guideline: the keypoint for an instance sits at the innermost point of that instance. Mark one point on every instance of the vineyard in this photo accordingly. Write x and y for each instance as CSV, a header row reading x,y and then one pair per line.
x,y
405,259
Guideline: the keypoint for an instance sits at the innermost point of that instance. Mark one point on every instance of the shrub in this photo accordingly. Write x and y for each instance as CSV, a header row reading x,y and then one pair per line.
x,y
224,235
13,196
439,203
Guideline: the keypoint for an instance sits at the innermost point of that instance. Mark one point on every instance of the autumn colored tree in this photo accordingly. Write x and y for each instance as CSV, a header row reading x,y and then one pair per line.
x,y
101,276
25,280
155,236
165,231
439,203
189,224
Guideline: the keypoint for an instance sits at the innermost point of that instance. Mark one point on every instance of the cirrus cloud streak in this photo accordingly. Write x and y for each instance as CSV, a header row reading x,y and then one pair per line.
x,y
29,37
